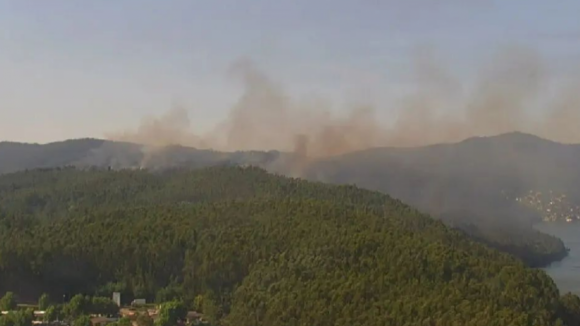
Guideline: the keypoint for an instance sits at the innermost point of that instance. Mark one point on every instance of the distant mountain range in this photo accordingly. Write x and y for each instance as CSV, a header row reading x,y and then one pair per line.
x,y
117,155
479,174
492,187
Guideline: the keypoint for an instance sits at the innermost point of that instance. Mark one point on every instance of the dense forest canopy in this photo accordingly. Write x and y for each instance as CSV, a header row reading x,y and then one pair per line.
x,y
471,185
250,248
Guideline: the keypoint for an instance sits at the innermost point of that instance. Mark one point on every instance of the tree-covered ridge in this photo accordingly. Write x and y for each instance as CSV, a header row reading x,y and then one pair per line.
x,y
534,248
470,176
57,192
479,178
250,248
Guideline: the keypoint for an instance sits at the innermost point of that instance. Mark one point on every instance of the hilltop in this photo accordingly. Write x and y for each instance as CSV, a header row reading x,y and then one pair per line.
x,y
100,153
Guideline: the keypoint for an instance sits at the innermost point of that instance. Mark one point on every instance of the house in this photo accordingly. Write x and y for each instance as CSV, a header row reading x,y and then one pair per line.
x,y
192,315
127,312
139,302
101,321
117,298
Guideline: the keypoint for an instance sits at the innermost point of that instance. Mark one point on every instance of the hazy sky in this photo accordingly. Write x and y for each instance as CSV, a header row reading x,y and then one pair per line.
x,y
73,69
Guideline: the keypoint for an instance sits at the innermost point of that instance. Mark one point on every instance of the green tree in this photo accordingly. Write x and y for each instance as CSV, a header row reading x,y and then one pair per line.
x,y
167,294
17,318
111,287
124,322
570,309
211,310
140,290
6,320
52,313
103,306
82,320
76,307
198,303
163,320
8,302
43,302
23,317
170,313
144,320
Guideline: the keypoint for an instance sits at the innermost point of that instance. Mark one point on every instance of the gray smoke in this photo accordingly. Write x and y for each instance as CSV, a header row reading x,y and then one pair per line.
x,y
503,98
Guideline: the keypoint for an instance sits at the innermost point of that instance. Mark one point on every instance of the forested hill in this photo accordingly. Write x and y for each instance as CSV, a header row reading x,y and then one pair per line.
x,y
469,175
461,183
258,249
477,185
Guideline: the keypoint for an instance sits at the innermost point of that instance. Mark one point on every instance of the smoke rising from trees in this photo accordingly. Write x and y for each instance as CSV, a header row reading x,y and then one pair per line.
x,y
505,97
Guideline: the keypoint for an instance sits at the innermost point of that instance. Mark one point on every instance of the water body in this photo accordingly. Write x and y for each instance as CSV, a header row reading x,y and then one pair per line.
x,y
566,273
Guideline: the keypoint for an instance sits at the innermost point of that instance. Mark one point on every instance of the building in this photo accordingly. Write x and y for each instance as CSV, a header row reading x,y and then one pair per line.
x,y
117,298
102,321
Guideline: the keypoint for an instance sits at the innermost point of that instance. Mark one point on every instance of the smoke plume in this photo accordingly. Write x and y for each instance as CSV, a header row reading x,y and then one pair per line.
x,y
172,128
504,98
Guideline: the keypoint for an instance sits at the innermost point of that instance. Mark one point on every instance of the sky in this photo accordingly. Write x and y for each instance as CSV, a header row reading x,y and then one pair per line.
x,y
73,69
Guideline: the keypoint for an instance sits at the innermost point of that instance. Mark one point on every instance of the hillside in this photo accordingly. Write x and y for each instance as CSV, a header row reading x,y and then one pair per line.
x,y
259,249
467,175
494,188
440,178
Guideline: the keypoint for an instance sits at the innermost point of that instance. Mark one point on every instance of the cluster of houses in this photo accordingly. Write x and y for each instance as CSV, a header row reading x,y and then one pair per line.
x,y
138,306
133,312
38,317
551,205
192,316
